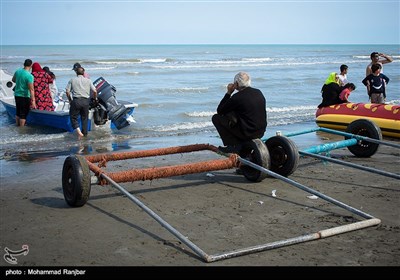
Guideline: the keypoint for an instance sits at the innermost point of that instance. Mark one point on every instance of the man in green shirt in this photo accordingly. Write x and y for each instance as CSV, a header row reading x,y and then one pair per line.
x,y
24,92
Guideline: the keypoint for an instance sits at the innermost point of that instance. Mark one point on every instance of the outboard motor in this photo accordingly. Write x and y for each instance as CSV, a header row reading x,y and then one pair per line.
x,y
117,113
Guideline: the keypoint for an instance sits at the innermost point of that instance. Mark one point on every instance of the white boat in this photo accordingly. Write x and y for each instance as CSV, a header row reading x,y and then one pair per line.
x,y
109,111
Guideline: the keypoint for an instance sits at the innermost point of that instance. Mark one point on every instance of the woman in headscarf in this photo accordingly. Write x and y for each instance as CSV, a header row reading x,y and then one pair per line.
x,y
42,90
331,91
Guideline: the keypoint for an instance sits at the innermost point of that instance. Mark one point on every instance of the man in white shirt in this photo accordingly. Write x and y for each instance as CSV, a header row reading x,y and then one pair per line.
x,y
78,93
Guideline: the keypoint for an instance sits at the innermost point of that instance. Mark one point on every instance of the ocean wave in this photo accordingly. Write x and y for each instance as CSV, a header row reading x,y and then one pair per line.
x,y
132,61
274,120
285,121
291,109
200,114
181,126
87,68
200,66
248,65
260,59
30,138
118,62
361,56
272,112
181,90
4,57
393,102
367,57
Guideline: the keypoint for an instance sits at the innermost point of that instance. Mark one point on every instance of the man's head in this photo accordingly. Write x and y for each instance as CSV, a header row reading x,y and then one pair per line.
x,y
76,66
28,63
343,68
80,71
375,67
243,80
374,56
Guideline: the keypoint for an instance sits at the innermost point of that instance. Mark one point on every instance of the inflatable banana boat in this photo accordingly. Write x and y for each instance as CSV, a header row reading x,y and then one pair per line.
x,y
339,116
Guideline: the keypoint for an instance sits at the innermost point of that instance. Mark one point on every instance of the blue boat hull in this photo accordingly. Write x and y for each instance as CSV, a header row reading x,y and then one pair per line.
x,y
118,113
45,118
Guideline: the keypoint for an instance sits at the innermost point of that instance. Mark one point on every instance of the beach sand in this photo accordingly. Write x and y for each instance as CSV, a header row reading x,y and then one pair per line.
x,y
219,211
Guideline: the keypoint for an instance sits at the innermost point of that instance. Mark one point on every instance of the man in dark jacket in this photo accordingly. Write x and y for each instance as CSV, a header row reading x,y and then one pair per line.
x,y
241,116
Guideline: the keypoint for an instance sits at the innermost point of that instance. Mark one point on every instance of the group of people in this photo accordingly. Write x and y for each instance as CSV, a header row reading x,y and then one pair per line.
x,y
35,88
337,89
241,116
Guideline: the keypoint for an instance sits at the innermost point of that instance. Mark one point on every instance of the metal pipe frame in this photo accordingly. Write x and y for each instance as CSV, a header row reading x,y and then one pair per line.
x,y
332,131
359,137
158,172
371,221
151,153
349,164
331,146
313,151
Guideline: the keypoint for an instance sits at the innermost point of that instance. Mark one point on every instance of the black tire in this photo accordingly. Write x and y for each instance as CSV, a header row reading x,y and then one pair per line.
x,y
284,155
76,180
365,128
256,152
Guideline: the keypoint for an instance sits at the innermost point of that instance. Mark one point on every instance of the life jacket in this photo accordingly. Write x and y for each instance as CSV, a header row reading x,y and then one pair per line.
x,y
377,84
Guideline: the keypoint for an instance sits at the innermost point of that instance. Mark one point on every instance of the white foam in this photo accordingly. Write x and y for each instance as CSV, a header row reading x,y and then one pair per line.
x,y
200,114
290,109
181,126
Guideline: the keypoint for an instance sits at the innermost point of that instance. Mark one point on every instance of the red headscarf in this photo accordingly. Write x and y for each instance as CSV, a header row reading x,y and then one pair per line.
x,y
36,67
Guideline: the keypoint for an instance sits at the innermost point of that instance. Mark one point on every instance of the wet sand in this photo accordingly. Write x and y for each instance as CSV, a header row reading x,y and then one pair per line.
x,y
219,211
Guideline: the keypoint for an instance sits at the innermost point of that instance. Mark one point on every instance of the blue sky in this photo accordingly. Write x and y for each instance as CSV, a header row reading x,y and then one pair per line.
x,y
42,22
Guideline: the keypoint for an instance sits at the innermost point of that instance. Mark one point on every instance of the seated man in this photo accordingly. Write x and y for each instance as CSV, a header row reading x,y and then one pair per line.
x,y
241,116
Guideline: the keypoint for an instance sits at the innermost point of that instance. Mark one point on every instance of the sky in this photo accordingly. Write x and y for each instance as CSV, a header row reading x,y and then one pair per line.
x,y
75,22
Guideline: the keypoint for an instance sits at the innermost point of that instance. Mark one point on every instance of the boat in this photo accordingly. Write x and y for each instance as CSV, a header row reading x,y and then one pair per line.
x,y
109,111
339,116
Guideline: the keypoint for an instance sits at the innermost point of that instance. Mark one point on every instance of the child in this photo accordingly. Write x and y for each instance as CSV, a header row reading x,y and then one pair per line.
x,y
344,95
376,84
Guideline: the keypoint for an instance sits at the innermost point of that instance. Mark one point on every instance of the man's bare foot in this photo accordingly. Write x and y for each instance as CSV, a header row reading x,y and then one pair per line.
x,y
80,134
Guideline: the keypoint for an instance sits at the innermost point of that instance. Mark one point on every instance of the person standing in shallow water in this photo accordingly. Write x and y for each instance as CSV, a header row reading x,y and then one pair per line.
x,y
241,116
78,93
41,84
24,92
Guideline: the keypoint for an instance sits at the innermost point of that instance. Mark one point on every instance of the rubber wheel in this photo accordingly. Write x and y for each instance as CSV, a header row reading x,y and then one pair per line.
x,y
76,180
365,128
256,152
284,155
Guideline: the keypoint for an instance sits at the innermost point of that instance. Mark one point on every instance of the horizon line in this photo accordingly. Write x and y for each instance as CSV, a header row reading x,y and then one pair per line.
x,y
197,44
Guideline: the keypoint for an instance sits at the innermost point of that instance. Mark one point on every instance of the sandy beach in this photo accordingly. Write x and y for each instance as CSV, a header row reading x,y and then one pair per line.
x,y
219,211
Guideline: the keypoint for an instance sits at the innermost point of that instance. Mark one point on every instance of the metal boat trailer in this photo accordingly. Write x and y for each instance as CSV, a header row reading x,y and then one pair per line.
x,y
276,157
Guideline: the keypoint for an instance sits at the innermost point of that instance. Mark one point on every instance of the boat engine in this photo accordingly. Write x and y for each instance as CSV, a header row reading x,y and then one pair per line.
x,y
108,103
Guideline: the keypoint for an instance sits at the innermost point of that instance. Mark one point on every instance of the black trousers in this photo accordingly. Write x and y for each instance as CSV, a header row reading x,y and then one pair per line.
x,y
22,105
228,129
79,107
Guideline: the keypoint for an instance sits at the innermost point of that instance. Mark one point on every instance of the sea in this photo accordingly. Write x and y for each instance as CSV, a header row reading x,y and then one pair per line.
x,y
178,88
